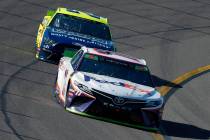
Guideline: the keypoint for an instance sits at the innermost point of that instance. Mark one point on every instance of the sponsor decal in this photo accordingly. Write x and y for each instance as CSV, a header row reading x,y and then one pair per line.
x,y
88,78
79,38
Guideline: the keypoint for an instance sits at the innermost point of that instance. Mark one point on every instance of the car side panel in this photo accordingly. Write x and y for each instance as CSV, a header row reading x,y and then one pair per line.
x,y
64,72
40,33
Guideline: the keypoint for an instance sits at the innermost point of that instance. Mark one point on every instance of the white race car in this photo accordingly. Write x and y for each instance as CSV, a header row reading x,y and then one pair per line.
x,y
109,84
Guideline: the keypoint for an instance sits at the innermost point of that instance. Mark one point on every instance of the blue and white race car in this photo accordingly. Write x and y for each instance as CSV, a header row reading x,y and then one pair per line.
x,y
70,29
105,83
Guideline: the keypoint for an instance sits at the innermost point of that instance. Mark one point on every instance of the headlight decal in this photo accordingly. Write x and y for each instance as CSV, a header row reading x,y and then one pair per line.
x,y
154,103
82,87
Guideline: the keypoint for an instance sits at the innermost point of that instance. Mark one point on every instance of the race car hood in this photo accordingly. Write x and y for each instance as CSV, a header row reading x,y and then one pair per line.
x,y
66,37
115,86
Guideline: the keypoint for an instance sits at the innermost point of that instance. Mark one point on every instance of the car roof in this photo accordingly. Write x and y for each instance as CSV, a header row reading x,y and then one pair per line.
x,y
114,55
82,14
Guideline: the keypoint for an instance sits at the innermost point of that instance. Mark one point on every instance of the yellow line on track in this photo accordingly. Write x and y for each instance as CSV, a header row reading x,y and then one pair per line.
x,y
164,90
157,136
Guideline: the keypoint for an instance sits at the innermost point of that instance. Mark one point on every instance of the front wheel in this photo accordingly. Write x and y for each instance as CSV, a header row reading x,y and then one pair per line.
x,y
54,92
67,102
147,118
159,119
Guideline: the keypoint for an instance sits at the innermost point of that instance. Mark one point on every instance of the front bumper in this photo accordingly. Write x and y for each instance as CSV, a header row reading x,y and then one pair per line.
x,y
99,104
110,120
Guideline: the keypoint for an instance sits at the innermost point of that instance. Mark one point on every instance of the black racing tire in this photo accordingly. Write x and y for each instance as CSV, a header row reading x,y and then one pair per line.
x,y
157,123
66,103
54,94
147,118
54,87
158,120
134,117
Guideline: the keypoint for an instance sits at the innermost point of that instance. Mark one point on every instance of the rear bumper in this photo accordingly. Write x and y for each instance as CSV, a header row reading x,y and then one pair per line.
x,y
53,54
48,56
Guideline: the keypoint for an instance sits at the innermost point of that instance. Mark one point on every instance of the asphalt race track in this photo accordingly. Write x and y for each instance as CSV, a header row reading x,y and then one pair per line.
x,y
172,35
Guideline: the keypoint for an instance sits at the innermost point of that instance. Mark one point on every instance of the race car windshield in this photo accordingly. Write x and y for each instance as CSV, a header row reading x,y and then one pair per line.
x,y
80,25
115,68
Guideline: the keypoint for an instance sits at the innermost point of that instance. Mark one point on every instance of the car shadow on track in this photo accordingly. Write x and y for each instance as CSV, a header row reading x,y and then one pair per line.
x,y
158,82
182,130
4,101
